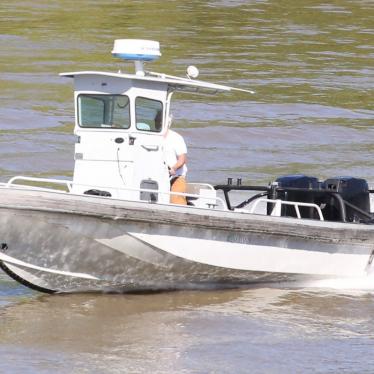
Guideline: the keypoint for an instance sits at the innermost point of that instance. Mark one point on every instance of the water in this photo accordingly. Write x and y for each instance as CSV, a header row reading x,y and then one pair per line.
x,y
231,331
310,63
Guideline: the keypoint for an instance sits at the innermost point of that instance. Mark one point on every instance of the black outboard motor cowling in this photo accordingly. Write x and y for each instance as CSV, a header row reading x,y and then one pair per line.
x,y
340,198
302,182
353,190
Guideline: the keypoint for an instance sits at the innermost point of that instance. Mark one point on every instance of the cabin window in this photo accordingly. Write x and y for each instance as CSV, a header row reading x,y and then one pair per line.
x,y
104,111
148,114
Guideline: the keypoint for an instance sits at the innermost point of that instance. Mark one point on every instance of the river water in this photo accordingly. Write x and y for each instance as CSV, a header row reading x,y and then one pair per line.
x,y
311,65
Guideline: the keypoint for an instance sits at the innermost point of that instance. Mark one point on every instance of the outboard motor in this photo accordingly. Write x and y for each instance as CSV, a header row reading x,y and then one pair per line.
x,y
302,182
354,191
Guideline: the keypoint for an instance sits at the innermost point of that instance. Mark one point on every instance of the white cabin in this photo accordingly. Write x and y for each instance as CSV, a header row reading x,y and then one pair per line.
x,y
120,122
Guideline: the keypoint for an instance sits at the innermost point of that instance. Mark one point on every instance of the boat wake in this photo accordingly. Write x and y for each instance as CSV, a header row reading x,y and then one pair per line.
x,y
349,284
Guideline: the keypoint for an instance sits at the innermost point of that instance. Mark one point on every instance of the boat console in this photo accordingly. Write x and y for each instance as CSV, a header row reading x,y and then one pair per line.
x,y
120,122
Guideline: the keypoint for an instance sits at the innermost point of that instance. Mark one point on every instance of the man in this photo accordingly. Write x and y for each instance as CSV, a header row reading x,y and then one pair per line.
x,y
176,157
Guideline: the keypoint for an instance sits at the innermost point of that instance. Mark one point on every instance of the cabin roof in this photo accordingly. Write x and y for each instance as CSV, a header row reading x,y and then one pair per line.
x,y
185,84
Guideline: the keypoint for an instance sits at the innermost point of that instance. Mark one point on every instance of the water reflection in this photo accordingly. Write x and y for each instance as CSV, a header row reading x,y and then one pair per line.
x,y
114,333
187,331
309,313
100,322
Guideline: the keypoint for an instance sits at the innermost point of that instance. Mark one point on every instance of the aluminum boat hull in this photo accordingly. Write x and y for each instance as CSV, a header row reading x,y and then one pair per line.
x,y
59,242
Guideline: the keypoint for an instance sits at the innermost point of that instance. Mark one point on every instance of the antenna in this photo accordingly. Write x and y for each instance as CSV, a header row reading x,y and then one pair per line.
x,y
137,50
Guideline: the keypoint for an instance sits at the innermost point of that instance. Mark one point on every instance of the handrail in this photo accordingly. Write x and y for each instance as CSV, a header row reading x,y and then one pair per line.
x,y
69,185
45,180
202,184
278,204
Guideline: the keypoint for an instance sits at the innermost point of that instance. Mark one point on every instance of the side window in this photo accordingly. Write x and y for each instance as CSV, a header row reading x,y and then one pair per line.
x,y
148,114
104,111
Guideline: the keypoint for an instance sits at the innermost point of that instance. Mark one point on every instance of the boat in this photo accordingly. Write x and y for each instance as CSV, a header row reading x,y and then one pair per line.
x,y
112,227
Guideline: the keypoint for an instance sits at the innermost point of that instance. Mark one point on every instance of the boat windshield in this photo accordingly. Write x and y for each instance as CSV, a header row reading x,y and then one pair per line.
x,y
104,111
148,114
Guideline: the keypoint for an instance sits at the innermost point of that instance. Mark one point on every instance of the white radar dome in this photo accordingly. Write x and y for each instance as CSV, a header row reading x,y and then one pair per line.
x,y
136,49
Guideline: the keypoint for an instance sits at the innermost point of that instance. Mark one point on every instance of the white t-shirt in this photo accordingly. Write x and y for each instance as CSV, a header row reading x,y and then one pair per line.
x,y
174,146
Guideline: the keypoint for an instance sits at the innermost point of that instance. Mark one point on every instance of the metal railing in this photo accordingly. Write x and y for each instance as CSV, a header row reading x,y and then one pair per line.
x,y
276,211
69,186
279,203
